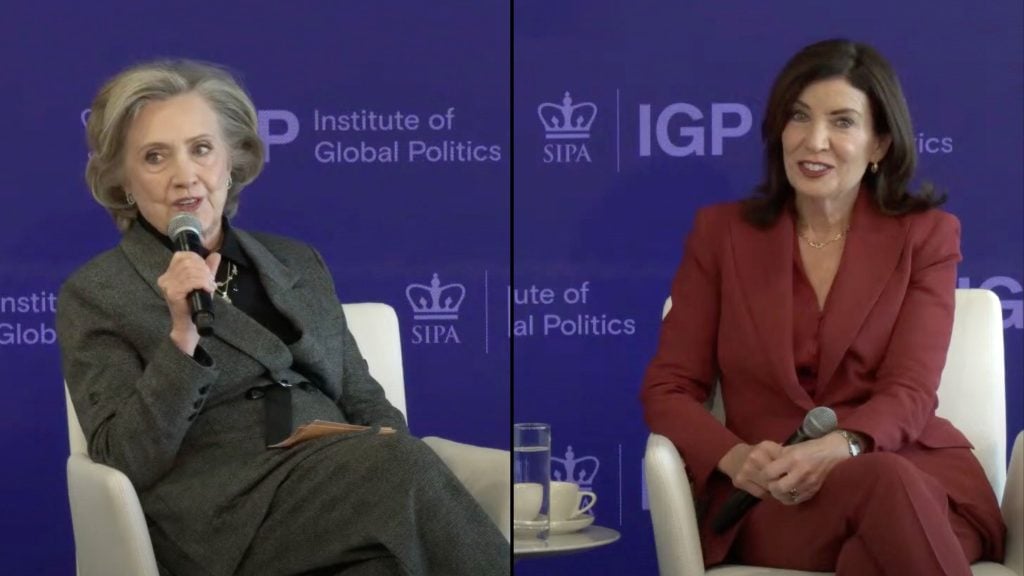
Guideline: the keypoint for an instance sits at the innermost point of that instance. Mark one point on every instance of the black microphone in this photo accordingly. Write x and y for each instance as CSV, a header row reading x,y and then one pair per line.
x,y
186,232
818,422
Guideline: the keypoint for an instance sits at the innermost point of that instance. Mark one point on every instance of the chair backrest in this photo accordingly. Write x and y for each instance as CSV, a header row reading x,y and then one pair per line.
x,y
973,384
375,328
972,392
76,438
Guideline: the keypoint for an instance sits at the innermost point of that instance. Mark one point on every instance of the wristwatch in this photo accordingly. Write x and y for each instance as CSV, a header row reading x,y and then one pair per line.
x,y
852,442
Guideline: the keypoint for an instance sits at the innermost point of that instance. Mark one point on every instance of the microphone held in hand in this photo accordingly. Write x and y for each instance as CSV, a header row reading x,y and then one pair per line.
x,y
817,423
186,232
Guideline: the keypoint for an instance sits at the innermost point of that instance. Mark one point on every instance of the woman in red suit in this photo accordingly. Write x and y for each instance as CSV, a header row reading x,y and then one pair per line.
x,y
832,286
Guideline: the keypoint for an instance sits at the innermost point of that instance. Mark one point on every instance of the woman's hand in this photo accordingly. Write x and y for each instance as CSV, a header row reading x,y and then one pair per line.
x,y
186,272
745,465
800,470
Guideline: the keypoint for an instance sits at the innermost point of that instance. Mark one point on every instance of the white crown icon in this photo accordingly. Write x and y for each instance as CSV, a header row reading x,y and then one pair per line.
x,y
568,121
435,302
570,469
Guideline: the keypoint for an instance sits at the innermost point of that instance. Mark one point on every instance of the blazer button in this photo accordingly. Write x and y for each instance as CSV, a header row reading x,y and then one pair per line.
x,y
204,389
197,404
255,393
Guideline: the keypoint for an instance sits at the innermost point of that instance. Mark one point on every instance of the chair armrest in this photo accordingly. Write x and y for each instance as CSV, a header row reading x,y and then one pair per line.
x,y
111,536
486,474
676,537
1013,508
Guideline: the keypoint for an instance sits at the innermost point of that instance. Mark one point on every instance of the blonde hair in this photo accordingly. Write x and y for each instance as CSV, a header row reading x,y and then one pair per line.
x,y
123,96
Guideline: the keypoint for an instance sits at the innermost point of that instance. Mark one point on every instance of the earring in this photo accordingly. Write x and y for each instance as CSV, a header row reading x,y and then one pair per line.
x,y
131,199
230,183
874,167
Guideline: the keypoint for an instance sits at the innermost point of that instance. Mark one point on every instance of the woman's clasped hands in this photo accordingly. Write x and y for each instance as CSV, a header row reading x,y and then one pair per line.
x,y
790,474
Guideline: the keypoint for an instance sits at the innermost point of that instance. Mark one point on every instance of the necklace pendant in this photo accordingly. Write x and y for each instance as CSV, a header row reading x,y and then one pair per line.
x,y
224,287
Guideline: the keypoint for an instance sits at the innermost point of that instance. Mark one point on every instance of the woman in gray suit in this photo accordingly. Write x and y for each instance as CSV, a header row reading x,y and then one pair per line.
x,y
189,418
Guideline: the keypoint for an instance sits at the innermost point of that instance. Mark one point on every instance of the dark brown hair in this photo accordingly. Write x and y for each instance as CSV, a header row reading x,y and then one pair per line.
x,y
865,69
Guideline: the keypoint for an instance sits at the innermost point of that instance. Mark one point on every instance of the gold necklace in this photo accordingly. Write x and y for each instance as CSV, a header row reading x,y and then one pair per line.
x,y
823,243
222,287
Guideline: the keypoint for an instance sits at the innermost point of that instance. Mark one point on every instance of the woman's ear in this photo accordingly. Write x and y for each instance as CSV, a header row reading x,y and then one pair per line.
x,y
882,148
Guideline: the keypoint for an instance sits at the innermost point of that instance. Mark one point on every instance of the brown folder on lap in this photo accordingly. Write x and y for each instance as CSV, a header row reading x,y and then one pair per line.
x,y
318,428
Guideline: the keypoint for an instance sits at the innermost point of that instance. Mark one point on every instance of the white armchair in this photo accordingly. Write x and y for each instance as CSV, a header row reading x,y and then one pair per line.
x,y
972,385
111,537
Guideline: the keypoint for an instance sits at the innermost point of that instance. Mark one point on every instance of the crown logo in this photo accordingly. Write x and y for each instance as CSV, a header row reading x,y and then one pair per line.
x,y
568,121
581,471
435,302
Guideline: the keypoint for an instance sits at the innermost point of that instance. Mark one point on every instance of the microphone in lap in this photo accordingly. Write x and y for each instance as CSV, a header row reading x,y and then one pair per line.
x,y
818,422
186,232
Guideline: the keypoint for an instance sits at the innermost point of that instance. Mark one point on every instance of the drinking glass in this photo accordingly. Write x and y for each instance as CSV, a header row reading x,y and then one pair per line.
x,y
531,448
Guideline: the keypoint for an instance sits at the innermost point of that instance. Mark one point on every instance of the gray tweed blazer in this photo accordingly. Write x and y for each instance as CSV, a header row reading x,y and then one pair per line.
x,y
184,431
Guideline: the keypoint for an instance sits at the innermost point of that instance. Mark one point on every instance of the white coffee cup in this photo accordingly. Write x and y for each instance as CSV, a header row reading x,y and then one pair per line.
x,y
566,499
527,498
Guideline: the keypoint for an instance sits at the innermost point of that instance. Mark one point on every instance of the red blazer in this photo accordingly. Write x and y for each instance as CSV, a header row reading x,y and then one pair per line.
x,y
884,337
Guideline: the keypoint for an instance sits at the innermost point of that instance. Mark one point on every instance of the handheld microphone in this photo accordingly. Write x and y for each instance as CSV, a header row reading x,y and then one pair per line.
x,y
185,231
818,422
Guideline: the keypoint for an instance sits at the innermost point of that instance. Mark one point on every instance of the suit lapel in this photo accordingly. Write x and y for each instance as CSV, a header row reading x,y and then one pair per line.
x,y
277,279
286,292
764,265
147,255
276,276
249,336
873,248
246,334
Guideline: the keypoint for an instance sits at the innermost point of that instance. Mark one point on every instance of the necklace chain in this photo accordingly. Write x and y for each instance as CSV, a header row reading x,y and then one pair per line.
x,y
823,243
223,287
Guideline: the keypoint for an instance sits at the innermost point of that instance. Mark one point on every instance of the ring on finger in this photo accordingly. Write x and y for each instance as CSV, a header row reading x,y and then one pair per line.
x,y
794,495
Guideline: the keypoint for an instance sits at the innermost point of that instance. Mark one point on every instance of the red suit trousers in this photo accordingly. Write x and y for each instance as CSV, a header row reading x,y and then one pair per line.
x,y
876,514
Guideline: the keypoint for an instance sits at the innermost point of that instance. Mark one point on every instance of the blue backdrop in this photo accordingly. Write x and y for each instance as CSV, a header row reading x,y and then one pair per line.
x,y
600,211
388,209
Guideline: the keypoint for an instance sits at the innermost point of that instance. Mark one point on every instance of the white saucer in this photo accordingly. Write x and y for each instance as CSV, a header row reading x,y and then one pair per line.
x,y
528,528
573,525
531,528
